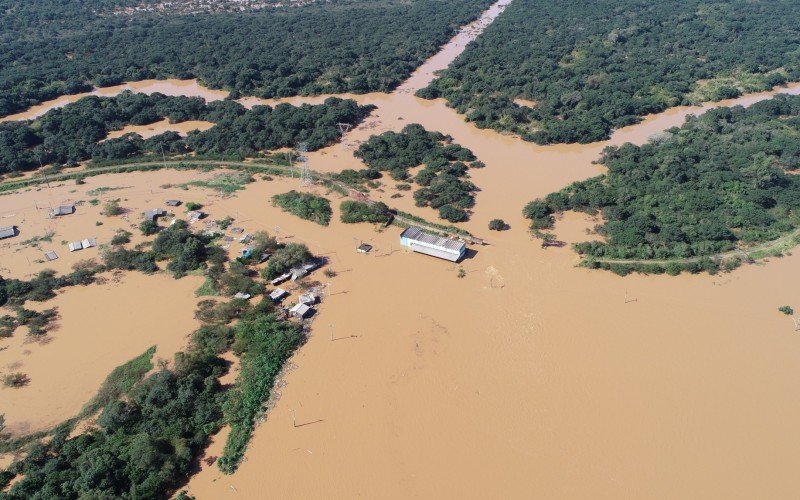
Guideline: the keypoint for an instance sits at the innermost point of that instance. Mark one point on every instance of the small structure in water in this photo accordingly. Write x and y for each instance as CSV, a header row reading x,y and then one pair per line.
x,y
8,232
51,255
195,215
301,311
75,246
278,294
89,243
280,279
308,299
364,248
419,241
154,214
62,210
172,203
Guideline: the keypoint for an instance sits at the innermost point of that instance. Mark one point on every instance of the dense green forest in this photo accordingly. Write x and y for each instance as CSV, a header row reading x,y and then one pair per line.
x,y
722,180
50,48
442,180
150,430
74,133
594,66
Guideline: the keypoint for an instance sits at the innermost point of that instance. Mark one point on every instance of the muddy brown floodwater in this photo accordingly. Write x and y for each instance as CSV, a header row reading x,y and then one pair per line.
x,y
529,376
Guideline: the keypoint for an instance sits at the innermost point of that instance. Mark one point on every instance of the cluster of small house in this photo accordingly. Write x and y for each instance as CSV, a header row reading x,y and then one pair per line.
x,y
304,307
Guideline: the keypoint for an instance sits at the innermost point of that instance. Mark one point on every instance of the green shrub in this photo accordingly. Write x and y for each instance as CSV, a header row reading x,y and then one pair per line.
x,y
306,206
148,227
356,211
286,258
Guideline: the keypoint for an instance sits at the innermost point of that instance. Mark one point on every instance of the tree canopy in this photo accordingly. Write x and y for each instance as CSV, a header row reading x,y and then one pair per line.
x,y
442,180
585,68
722,180
50,48
77,131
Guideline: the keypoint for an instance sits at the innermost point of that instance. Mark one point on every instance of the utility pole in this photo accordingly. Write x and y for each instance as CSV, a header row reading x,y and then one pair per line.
x,y
41,167
305,173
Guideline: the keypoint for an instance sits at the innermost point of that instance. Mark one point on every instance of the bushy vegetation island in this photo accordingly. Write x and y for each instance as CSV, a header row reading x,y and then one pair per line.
x,y
305,205
76,132
724,181
442,181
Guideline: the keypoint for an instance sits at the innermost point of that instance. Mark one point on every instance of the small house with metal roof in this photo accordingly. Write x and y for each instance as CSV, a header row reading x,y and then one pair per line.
x,y
308,299
154,214
278,294
63,210
7,232
301,311
419,241
280,279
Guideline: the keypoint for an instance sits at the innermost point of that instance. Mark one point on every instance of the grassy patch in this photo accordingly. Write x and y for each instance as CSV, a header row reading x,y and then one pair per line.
x,y
120,381
207,289
104,189
227,183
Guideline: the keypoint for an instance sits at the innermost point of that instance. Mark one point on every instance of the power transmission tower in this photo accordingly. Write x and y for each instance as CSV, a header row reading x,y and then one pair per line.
x,y
344,128
302,160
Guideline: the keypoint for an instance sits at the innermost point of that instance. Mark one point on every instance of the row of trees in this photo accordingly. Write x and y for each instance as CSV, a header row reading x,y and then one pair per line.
x,y
442,181
594,66
723,179
326,47
74,133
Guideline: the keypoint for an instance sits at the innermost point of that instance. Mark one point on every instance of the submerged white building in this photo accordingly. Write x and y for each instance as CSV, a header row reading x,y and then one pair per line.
x,y
430,244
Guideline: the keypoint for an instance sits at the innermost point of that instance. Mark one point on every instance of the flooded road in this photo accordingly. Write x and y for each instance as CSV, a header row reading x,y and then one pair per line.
x,y
527,377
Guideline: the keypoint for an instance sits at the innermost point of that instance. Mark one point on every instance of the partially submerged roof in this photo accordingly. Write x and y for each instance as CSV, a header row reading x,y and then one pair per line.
x,y
280,279
364,248
156,212
308,299
75,245
89,243
51,255
278,294
416,234
300,310
63,210
298,273
8,231
172,203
